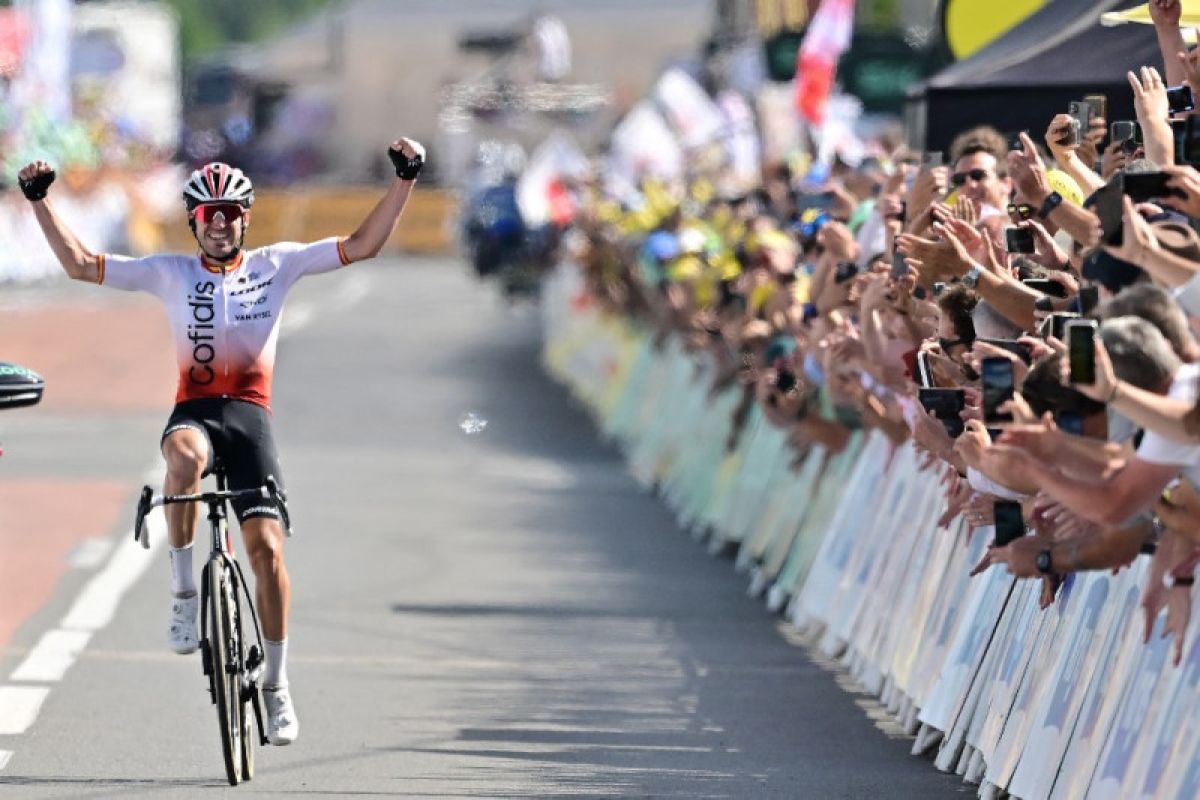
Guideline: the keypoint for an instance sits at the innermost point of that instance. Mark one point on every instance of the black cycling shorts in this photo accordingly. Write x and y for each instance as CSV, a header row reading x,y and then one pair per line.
x,y
239,434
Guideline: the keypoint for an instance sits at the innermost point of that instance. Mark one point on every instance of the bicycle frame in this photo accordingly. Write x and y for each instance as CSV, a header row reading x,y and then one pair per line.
x,y
240,655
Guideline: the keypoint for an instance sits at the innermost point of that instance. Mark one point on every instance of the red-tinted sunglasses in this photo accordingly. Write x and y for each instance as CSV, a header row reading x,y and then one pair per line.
x,y
205,214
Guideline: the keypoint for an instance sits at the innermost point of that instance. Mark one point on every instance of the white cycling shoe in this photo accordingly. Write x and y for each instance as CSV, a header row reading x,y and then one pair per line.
x,y
182,635
282,725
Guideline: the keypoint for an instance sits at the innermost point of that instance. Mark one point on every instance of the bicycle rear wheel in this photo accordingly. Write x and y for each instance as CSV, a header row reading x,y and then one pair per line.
x,y
224,649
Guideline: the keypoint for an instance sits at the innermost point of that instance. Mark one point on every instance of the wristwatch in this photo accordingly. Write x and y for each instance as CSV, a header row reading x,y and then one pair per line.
x,y
1051,202
1044,563
971,278
1170,581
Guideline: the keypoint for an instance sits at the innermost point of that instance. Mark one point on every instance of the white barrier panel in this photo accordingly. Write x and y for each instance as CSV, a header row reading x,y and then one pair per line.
x,y
1064,702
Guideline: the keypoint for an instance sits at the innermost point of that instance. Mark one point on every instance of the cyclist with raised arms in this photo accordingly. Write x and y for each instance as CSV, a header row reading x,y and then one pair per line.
x,y
224,305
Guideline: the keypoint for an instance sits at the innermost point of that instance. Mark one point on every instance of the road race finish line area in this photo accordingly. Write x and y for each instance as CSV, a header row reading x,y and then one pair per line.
x,y
503,614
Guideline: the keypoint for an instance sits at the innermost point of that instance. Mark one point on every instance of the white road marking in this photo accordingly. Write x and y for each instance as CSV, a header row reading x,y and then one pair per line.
x,y
97,603
52,656
5,755
89,553
19,706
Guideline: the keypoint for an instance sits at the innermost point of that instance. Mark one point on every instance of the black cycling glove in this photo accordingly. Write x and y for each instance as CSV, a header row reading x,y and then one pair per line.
x,y
406,168
35,188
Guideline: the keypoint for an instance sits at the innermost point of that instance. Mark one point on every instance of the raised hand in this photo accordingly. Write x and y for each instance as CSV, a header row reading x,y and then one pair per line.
x,y
408,157
35,179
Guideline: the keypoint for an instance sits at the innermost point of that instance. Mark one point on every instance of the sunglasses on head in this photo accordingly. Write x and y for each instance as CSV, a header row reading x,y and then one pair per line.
x,y
977,175
1021,211
229,212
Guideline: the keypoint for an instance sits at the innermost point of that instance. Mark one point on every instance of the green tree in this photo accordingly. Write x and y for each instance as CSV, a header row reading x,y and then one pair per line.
x,y
207,25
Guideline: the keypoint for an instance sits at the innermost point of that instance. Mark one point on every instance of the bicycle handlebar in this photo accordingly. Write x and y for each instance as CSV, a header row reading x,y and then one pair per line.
x,y
270,490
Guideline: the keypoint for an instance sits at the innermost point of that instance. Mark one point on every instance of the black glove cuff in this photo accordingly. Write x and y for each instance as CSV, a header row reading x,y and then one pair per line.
x,y
407,169
35,188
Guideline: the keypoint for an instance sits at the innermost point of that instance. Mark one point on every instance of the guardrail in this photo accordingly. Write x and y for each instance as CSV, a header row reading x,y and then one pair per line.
x,y
1061,703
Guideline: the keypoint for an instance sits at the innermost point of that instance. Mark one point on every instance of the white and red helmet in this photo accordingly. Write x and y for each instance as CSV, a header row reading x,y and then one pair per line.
x,y
217,183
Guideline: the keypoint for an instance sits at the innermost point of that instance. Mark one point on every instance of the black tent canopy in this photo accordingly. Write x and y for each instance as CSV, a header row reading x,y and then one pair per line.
x,y
1021,80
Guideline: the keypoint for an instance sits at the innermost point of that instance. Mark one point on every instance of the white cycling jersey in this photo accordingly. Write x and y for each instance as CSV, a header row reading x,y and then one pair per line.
x,y
224,318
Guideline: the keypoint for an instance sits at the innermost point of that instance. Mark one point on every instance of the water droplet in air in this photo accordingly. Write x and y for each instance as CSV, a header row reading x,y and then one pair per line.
x,y
472,423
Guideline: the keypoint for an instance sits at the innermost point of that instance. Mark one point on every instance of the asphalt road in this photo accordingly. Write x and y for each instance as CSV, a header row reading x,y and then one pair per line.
x,y
494,615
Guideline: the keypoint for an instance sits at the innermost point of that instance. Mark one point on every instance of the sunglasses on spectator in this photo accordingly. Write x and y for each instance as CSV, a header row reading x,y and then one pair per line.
x,y
1021,211
230,212
977,175
946,344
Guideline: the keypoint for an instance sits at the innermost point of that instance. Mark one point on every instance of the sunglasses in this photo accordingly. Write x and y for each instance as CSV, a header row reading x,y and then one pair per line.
x,y
1021,211
977,175
946,344
229,212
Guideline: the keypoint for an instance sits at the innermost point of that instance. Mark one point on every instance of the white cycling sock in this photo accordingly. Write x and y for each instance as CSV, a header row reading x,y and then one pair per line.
x,y
183,583
276,670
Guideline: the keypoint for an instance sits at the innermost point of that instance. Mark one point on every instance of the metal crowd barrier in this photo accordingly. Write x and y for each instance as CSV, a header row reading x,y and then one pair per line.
x,y
1061,703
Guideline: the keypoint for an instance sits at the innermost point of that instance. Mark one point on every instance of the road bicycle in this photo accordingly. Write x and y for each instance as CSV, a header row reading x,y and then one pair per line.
x,y
233,661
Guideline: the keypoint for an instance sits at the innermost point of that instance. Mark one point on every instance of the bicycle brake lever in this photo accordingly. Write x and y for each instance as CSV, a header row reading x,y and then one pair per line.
x,y
140,533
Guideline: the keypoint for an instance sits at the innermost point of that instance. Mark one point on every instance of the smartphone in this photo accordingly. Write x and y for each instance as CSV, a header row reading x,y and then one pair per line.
x,y
1187,141
1019,349
1109,208
997,388
924,373
845,271
1179,99
1098,104
1010,525
1143,186
1070,422
931,159
1081,116
1046,286
899,268
1044,303
1081,352
946,405
1089,298
1019,240
1014,140
1123,130
1056,325
943,403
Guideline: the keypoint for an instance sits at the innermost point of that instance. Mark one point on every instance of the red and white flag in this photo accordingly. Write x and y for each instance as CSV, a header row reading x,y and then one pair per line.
x,y
827,38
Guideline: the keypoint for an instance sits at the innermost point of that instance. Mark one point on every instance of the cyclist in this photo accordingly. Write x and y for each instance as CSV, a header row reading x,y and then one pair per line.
x,y
224,305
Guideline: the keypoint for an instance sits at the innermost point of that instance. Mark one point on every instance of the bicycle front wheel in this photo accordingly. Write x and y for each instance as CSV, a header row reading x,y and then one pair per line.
x,y
225,652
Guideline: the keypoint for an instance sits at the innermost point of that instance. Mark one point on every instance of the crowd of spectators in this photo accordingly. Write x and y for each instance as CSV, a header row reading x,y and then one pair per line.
x,y
1023,310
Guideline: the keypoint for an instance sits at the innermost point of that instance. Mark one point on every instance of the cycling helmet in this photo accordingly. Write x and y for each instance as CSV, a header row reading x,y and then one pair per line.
x,y
217,183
